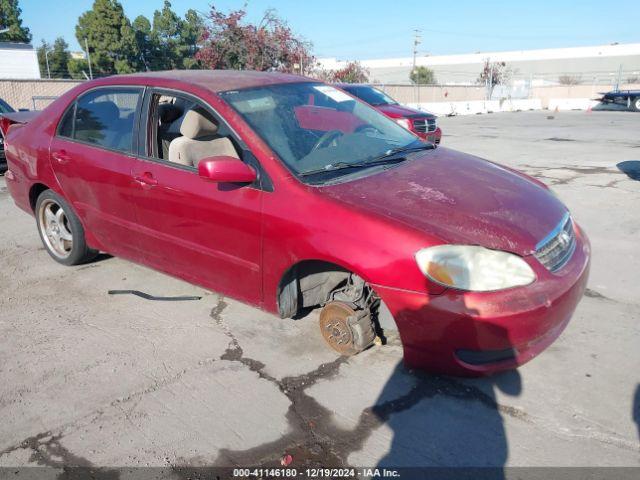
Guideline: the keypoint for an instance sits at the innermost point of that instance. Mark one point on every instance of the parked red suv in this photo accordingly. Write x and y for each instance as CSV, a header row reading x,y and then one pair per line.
x,y
423,124
290,194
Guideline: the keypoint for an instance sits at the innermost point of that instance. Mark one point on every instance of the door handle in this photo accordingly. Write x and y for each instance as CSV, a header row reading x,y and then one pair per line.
x,y
61,157
146,178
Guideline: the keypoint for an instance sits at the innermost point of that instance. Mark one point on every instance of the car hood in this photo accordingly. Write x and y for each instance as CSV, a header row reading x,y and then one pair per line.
x,y
458,199
400,111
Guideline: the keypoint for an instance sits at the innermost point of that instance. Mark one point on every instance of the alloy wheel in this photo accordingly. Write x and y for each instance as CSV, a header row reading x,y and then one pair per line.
x,y
55,229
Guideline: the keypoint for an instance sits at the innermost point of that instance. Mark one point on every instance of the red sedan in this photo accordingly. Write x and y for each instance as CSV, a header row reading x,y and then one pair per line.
x,y
423,124
290,194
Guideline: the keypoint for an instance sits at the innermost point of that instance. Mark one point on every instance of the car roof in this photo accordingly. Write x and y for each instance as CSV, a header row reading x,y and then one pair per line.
x,y
219,80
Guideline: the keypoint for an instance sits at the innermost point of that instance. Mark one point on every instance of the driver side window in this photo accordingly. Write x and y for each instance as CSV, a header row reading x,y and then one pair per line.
x,y
183,132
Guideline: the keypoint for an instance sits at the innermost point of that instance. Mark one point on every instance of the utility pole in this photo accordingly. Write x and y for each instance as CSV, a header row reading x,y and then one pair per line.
x,y
619,78
490,81
86,46
417,40
46,59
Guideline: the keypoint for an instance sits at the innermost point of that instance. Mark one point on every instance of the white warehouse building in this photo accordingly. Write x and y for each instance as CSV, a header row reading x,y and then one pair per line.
x,y
545,66
18,61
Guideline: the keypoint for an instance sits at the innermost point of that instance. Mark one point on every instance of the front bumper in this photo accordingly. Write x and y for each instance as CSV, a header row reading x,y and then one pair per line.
x,y
472,334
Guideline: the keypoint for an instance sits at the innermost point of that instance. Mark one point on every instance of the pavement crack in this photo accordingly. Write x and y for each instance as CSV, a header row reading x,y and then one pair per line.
x,y
314,440
578,172
46,450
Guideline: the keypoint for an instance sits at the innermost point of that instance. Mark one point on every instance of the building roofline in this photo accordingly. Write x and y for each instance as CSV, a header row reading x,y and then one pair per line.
x,y
16,46
612,50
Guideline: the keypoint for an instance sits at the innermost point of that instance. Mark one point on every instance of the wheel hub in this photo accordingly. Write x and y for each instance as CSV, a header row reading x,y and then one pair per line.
x,y
334,326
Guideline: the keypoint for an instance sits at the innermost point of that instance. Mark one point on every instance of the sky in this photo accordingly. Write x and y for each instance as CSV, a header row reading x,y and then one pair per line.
x,y
367,29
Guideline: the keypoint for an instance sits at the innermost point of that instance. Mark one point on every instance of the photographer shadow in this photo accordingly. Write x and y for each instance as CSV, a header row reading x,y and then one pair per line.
x,y
445,423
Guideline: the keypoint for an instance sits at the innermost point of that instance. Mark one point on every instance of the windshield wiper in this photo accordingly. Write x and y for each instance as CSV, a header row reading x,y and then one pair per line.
x,y
346,165
390,156
407,149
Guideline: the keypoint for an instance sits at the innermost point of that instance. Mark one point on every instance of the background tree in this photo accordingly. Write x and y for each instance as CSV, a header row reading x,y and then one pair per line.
x,y
353,72
78,68
171,42
422,76
231,42
570,80
148,51
493,74
42,58
10,18
59,57
111,39
190,34
166,33
322,74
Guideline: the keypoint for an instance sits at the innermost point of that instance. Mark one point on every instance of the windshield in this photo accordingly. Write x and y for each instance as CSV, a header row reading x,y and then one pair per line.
x,y
315,127
371,95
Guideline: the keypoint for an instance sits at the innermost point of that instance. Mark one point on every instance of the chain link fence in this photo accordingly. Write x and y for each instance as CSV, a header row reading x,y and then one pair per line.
x,y
544,86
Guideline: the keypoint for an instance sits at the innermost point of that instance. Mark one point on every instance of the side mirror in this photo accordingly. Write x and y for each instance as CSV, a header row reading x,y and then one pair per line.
x,y
226,169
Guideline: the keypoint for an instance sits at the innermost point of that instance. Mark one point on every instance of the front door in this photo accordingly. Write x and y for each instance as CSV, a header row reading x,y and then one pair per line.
x,y
93,154
207,233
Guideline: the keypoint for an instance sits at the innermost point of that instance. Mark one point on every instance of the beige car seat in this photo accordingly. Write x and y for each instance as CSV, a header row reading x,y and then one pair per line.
x,y
199,140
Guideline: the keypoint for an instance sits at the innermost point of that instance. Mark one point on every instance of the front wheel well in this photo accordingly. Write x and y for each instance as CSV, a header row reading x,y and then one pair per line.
x,y
34,192
308,284
312,283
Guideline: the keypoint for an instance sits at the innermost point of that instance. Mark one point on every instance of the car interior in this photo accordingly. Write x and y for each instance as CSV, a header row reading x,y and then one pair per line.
x,y
185,132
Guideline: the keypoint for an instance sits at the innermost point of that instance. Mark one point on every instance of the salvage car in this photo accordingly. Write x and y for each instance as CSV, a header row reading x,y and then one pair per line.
x,y
239,182
4,108
423,124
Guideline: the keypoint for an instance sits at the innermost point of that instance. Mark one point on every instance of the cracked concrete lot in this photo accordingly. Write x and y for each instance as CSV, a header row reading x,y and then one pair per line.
x,y
91,379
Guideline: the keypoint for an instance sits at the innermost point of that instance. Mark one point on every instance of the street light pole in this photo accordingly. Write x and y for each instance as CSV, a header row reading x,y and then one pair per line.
x,y
46,58
86,46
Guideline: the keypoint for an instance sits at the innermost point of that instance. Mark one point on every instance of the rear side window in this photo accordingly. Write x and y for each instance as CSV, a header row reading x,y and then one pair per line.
x,y
65,129
103,117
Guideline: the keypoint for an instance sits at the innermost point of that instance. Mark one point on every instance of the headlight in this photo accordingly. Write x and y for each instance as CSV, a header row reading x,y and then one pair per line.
x,y
404,122
474,268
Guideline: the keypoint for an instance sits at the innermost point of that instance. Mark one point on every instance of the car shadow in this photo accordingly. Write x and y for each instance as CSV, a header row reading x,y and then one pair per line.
x,y
446,423
610,107
635,413
631,168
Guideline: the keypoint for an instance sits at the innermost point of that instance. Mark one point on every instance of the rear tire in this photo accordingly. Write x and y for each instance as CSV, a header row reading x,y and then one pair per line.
x,y
60,230
635,104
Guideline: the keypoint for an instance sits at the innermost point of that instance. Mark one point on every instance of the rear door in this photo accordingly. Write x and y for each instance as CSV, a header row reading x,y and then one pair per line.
x,y
92,155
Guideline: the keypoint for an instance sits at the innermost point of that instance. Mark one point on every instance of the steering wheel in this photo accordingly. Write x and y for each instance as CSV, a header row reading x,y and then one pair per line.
x,y
326,139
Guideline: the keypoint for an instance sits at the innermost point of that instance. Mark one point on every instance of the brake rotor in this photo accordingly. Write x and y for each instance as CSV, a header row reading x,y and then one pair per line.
x,y
334,325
